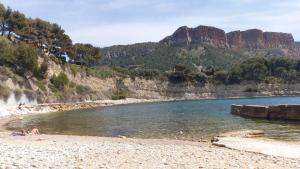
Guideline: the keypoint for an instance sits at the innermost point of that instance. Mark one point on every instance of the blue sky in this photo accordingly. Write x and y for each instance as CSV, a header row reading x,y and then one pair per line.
x,y
114,22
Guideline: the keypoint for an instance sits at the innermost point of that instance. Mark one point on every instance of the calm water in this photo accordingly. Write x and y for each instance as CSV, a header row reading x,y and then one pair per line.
x,y
190,120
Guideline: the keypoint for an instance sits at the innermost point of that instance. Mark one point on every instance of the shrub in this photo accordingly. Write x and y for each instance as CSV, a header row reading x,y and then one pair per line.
x,y
80,89
27,59
74,69
221,76
288,75
183,68
254,71
200,77
177,77
41,73
60,81
119,95
7,56
41,86
250,89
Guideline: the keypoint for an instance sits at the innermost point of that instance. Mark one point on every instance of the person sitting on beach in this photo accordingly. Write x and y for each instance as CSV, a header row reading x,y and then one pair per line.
x,y
20,106
34,131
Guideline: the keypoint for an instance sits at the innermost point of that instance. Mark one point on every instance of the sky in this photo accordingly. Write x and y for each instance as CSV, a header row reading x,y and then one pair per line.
x,y
119,22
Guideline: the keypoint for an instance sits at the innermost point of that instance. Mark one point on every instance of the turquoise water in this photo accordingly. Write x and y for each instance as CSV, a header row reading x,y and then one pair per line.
x,y
188,120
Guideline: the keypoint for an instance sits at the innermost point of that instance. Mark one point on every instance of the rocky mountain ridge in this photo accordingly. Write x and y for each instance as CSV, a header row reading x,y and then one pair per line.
x,y
250,39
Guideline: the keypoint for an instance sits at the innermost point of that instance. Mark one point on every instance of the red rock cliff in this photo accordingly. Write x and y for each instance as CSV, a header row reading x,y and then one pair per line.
x,y
181,37
185,36
249,39
209,35
257,39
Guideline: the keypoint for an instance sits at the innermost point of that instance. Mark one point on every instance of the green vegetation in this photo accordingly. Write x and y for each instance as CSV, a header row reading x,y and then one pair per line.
x,y
4,92
88,54
263,70
121,92
32,30
60,81
22,58
41,85
250,89
18,28
42,72
26,59
25,43
155,56
80,89
183,73
253,69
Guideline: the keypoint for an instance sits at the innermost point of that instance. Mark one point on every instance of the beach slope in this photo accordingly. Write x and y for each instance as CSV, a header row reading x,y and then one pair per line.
x,y
53,151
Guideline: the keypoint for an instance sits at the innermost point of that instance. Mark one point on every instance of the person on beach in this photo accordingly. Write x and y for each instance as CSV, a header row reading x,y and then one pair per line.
x,y
34,131
21,133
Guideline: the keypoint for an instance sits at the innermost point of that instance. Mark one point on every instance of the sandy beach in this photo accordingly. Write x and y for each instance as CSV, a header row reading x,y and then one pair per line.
x,y
53,151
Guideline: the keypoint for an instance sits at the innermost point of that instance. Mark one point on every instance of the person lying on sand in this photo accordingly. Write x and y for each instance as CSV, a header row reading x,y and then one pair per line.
x,y
20,133
34,131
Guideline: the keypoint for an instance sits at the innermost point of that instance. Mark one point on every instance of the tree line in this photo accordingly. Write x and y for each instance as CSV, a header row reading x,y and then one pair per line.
x,y
256,69
40,32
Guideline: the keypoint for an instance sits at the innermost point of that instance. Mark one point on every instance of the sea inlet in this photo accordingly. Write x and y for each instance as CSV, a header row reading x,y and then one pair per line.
x,y
184,120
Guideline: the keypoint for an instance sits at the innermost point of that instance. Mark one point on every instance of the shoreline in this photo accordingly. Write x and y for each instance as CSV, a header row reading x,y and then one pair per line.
x,y
55,107
25,110
62,151
237,145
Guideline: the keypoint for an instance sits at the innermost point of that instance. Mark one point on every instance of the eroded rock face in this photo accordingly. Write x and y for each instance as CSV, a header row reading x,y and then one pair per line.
x,y
278,40
181,37
185,36
257,39
252,39
249,39
209,35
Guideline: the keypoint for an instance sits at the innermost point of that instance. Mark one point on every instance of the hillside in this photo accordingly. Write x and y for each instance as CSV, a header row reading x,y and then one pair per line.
x,y
40,64
203,47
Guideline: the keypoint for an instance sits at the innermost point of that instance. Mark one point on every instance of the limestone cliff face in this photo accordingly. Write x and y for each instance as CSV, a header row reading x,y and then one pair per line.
x,y
185,36
252,39
156,89
249,39
278,40
257,39
181,37
209,35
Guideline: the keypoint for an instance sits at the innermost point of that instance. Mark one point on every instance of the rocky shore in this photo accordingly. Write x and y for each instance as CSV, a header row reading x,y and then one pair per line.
x,y
55,107
52,151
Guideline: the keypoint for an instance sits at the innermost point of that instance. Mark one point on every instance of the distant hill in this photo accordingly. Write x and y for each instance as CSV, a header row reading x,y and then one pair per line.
x,y
203,46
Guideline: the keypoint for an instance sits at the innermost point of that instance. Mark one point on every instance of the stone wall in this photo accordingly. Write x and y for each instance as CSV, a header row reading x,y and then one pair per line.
x,y
279,112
